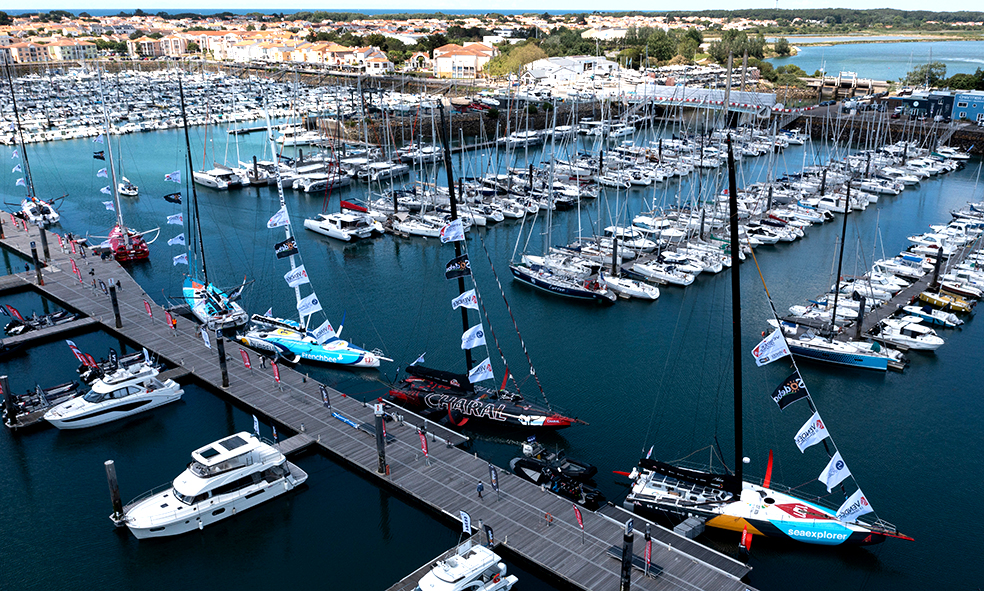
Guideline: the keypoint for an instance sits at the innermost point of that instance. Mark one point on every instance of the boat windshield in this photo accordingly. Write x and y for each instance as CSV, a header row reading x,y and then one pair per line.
x,y
94,396
189,499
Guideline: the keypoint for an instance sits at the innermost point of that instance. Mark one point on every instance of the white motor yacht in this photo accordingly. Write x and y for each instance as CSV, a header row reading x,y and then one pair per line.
x,y
908,333
223,478
120,394
344,225
629,288
469,567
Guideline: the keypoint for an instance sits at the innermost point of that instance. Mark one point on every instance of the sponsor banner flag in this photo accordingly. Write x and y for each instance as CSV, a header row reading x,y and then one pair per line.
x,y
102,173
855,506
176,219
169,319
90,361
458,267
181,259
296,277
21,182
308,305
100,155
114,358
274,427
147,307
98,139
146,355
423,442
75,351
109,205
835,472
75,268
276,371
482,371
208,343
473,337
15,313
256,426
15,153
323,332
577,513
174,177
3,310
789,391
324,396
771,348
245,356
489,535
469,299
278,219
465,522
811,433
286,248
179,239
493,477
452,232
17,168
173,198
106,191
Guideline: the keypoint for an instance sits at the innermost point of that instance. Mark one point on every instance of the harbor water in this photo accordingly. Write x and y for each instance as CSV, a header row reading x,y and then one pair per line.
x,y
640,374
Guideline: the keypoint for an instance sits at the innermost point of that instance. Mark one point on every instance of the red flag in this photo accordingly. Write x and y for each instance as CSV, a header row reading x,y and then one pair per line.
x,y
746,539
423,442
276,371
60,243
577,513
168,318
147,307
649,553
90,361
75,269
245,358
15,313
353,207
73,248
75,351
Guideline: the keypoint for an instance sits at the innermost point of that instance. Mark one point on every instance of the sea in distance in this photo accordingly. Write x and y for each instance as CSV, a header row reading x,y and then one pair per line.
x,y
640,374
886,61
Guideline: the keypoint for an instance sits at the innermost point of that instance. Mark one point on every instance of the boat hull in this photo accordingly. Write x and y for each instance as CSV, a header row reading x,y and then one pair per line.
x,y
840,358
97,414
574,293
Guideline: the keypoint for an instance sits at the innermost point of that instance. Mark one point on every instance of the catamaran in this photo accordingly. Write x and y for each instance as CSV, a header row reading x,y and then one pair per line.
x,y
726,500
291,339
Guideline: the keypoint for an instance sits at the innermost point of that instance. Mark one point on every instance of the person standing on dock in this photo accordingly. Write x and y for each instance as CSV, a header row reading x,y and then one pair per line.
x,y
480,488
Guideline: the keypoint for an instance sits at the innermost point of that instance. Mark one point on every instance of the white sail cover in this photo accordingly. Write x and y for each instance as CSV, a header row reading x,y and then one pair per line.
x,y
855,506
468,299
482,371
308,305
771,348
811,433
835,472
473,337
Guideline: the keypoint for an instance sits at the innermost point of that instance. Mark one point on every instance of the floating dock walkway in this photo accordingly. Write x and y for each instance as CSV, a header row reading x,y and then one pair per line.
x,y
527,521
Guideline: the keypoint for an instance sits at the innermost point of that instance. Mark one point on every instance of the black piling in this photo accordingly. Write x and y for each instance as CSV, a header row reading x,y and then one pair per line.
x,y
37,263
8,400
44,244
381,466
860,320
615,256
114,493
626,574
223,367
116,306
936,269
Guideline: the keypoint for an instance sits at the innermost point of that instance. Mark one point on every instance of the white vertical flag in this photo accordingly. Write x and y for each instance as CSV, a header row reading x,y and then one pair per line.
x,y
278,219
102,173
109,205
482,371
174,177
256,426
205,338
308,305
21,182
468,299
835,472
106,190
179,239
17,168
855,506
811,433
297,276
181,259
15,154
473,337
176,219
323,332
771,348
453,232
98,139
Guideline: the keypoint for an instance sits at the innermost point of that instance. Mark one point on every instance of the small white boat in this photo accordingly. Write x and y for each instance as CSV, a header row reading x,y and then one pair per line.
x,y
909,333
469,567
629,288
663,272
121,394
224,478
39,212
127,189
930,315
344,225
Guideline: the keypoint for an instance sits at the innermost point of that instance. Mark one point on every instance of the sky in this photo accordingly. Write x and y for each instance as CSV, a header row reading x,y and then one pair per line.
x,y
503,5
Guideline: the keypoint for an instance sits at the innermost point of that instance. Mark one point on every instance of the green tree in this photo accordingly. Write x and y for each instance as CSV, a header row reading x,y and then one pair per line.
x,y
192,47
513,60
250,27
930,74
687,48
661,46
782,47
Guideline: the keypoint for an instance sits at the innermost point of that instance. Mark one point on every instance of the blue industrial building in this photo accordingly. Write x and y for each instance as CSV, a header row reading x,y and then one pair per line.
x,y
969,105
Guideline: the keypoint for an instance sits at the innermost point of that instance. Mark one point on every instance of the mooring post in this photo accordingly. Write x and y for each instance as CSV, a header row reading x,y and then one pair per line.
x,y
44,243
37,263
936,268
1,230
381,466
860,320
114,493
116,306
220,345
8,400
627,539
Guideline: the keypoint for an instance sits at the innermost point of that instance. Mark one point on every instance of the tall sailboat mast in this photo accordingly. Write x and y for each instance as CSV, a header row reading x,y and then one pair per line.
x,y
200,251
454,216
735,305
20,130
112,167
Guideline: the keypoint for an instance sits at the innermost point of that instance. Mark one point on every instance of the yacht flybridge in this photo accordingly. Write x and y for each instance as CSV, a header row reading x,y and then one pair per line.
x,y
470,567
223,478
123,393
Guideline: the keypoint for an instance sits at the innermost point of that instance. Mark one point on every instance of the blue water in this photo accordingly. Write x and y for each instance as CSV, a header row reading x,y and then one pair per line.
x,y
887,61
641,374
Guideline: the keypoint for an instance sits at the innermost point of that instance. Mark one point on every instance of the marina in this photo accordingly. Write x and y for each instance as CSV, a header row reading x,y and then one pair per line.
x,y
515,514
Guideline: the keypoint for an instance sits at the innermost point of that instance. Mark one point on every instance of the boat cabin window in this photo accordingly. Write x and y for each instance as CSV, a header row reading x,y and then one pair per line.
x,y
189,499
